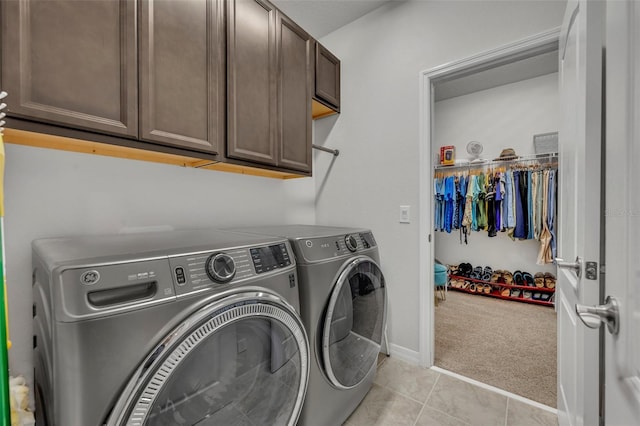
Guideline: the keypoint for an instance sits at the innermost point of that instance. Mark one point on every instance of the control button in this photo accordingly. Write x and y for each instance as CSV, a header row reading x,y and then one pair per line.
x,y
292,280
90,277
351,242
180,278
220,267
309,243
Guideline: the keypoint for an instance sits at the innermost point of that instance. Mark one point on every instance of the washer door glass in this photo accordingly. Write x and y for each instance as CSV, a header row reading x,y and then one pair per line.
x,y
354,323
243,361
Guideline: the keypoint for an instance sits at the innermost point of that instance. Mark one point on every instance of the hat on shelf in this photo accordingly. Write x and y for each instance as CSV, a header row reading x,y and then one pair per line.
x,y
507,154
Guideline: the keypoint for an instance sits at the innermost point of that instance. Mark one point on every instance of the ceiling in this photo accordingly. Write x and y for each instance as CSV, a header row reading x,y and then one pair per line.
x,y
320,17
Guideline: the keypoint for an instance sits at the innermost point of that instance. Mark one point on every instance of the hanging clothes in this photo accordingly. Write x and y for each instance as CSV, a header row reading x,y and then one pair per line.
x,y
499,190
469,209
491,207
520,197
546,253
438,191
509,209
551,211
537,210
529,174
449,194
481,220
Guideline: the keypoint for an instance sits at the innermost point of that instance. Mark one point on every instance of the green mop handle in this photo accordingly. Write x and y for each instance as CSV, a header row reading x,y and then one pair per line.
x,y
5,409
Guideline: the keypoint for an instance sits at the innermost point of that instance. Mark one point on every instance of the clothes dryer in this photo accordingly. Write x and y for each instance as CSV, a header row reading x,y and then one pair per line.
x,y
175,328
343,306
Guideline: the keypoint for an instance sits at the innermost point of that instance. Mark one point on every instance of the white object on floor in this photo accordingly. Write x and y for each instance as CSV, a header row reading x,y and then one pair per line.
x,y
19,402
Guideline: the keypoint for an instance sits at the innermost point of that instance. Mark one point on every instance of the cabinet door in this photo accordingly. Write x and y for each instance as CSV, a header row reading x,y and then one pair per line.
x,y
182,73
72,62
327,77
252,81
295,82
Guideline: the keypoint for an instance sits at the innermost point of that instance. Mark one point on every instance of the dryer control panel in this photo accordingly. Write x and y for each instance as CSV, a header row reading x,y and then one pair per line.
x,y
322,248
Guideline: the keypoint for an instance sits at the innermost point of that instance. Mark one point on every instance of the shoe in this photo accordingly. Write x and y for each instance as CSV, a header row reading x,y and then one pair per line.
x,y
515,292
508,277
545,297
528,279
487,289
536,296
538,279
495,277
517,278
473,287
526,294
505,291
549,280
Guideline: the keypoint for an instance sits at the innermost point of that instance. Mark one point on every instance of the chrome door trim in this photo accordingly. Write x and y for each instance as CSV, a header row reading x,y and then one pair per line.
x,y
200,325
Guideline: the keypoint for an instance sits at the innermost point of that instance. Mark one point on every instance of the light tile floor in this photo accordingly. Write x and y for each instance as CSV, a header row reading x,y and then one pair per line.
x,y
404,394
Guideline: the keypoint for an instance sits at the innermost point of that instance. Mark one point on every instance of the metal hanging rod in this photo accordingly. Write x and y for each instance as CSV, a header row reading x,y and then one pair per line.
x,y
335,152
493,163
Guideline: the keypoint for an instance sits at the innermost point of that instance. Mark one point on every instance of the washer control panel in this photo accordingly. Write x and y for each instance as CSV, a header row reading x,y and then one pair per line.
x,y
203,270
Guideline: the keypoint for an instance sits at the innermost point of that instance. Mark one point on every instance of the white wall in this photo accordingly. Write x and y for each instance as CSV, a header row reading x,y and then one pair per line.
x,y
53,193
377,131
503,117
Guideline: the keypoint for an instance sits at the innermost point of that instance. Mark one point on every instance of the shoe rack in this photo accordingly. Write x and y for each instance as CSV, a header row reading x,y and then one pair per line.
x,y
503,291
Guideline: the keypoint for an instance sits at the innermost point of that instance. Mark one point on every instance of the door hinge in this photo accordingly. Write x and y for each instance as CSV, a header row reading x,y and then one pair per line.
x,y
591,270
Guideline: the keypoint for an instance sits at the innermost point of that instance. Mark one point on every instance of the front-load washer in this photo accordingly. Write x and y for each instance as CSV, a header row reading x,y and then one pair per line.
x,y
177,328
343,304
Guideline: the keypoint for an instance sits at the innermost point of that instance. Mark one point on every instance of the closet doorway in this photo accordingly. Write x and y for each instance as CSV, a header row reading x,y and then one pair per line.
x,y
498,324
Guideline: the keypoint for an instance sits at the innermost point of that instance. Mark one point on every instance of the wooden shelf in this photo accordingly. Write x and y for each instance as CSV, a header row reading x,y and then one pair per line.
x,y
320,110
41,140
496,293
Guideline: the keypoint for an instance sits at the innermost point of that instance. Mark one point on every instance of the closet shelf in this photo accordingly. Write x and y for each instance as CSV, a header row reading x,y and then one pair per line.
x,y
499,296
524,159
522,287
497,287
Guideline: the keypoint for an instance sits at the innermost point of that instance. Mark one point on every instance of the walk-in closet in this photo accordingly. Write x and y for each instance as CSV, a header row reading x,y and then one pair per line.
x,y
494,175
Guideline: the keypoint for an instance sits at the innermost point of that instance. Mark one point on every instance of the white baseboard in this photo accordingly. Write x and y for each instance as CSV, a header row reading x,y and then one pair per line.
x,y
405,354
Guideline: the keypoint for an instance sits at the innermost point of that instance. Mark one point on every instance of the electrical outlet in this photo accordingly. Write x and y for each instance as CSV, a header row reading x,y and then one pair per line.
x,y
405,214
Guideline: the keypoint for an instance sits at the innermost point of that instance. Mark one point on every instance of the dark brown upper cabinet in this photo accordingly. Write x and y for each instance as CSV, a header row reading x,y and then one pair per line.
x,y
182,73
269,87
294,95
327,77
252,79
72,63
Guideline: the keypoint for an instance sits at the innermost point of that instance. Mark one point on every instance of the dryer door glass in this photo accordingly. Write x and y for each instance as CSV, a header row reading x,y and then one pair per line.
x,y
241,362
354,323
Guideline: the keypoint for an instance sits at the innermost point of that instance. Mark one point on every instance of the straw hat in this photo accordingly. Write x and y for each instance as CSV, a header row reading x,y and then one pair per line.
x,y
507,154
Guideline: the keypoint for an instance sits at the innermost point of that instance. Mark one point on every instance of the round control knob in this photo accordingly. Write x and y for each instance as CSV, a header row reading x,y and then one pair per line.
x,y
351,242
220,267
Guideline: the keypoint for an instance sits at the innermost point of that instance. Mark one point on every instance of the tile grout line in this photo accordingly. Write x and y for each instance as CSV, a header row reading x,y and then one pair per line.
x,y
424,404
495,390
398,393
506,414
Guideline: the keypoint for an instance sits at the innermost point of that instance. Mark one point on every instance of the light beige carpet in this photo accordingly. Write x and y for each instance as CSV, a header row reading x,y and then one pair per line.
x,y
506,344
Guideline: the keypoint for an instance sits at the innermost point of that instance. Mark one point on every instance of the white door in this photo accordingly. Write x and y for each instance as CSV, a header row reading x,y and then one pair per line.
x,y
579,209
622,219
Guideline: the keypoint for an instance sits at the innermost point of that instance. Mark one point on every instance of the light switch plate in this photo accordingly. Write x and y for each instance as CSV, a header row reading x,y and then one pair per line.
x,y
405,214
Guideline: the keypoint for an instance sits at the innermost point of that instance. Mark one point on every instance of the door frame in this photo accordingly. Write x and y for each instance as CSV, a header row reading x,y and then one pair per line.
x,y
518,50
